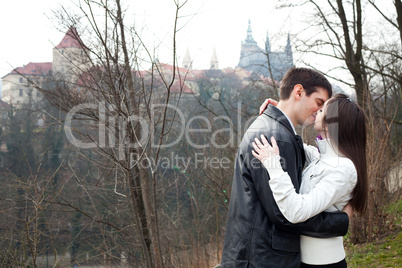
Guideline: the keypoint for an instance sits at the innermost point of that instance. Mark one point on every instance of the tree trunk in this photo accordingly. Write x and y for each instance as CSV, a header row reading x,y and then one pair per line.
x,y
139,176
398,7
353,59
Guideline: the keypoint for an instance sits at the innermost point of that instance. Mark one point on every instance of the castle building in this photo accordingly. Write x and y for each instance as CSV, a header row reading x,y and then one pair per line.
x,y
264,61
19,87
214,61
70,61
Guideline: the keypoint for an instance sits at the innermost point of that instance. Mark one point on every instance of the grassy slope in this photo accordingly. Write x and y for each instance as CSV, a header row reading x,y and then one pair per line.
x,y
385,252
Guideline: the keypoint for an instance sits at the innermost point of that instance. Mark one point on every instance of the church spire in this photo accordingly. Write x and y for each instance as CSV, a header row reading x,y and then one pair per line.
x,y
187,60
288,50
214,61
267,44
288,46
249,33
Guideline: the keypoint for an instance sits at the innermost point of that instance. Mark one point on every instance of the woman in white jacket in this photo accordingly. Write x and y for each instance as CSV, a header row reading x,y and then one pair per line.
x,y
336,174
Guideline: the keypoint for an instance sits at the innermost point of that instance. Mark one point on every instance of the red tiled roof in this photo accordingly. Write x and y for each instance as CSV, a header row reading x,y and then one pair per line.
x,y
71,39
198,73
270,81
180,86
4,104
88,77
33,68
170,67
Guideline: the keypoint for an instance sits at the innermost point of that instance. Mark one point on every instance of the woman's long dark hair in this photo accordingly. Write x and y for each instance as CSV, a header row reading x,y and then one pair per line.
x,y
345,123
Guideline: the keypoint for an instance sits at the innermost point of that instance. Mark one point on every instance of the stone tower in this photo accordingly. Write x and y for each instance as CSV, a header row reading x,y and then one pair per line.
x,y
187,60
214,61
288,50
69,58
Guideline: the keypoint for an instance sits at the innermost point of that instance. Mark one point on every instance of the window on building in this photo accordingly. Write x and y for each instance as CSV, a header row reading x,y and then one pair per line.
x,y
21,92
21,80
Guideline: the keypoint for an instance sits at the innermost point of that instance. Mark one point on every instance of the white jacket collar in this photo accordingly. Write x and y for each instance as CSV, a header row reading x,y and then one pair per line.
x,y
327,150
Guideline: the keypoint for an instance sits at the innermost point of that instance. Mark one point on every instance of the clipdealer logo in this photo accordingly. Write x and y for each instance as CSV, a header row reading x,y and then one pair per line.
x,y
186,128
110,130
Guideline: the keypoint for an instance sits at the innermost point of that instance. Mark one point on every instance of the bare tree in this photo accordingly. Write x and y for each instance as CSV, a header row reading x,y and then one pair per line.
x,y
115,110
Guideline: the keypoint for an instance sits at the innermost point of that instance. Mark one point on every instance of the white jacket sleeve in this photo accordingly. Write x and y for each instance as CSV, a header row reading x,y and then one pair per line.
x,y
311,153
335,184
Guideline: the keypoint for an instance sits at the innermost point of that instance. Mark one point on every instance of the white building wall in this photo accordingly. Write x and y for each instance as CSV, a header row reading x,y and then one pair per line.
x,y
69,62
16,89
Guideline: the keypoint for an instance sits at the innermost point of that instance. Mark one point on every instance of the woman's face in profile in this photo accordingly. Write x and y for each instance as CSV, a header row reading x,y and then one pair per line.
x,y
318,120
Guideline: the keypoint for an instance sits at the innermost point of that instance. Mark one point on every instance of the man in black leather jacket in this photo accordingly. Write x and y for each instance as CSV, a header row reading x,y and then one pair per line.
x,y
257,234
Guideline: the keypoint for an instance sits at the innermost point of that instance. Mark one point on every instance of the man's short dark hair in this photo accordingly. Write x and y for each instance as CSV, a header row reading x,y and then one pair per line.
x,y
310,79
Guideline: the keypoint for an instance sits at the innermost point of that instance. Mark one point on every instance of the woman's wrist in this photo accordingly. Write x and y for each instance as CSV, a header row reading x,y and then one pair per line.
x,y
273,166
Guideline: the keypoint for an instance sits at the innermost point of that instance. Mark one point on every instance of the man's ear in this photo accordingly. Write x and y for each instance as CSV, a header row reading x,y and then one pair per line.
x,y
298,91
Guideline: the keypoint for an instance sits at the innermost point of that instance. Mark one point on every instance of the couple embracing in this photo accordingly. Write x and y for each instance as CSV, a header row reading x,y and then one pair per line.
x,y
291,202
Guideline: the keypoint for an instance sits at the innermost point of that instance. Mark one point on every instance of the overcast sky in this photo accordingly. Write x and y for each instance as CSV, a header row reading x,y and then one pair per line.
x,y
28,34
